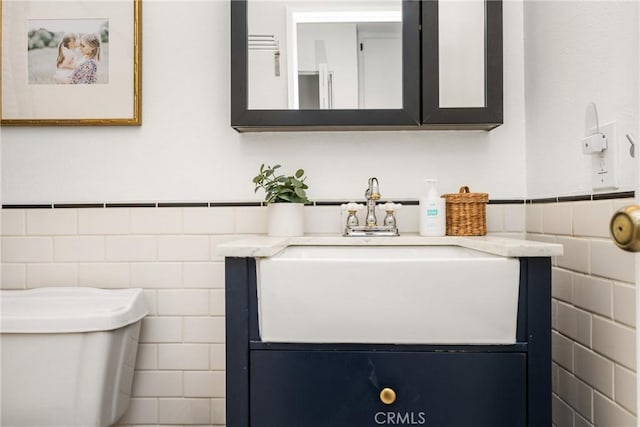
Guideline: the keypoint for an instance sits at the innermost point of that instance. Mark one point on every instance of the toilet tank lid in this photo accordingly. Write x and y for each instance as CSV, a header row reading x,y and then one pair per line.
x,y
66,309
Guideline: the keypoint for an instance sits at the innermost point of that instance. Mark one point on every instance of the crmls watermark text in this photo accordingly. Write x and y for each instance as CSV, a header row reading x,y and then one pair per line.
x,y
400,418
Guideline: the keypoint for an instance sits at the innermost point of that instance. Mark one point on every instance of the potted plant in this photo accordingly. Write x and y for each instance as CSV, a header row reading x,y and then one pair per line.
x,y
285,197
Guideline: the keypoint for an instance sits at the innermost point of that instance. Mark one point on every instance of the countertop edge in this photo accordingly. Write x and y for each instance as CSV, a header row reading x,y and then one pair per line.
x,y
264,246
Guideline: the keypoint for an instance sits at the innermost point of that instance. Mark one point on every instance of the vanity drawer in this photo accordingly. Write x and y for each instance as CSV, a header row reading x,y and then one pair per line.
x,y
343,389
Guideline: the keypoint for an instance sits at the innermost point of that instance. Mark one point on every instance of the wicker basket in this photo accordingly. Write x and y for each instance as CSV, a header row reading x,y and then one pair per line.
x,y
466,213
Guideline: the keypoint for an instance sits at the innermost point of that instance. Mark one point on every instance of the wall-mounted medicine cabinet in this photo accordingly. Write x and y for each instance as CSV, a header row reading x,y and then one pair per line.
x,y
380,64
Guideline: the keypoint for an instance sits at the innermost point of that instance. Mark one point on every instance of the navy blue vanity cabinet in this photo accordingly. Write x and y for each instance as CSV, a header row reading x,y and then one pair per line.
x,y
340,385
342,388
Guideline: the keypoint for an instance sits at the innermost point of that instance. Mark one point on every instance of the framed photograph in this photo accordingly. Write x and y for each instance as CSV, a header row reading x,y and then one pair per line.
x,y
71,62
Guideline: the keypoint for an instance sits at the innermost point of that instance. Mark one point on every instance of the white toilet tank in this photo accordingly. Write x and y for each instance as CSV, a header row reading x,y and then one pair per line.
x,y
68,355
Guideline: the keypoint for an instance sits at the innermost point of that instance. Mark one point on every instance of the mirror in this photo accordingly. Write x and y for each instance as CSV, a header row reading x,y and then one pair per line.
x,y
324,55
366,64
461,46
461,53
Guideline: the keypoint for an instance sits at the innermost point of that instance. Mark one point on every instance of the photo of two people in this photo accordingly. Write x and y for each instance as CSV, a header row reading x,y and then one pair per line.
x,y
68,51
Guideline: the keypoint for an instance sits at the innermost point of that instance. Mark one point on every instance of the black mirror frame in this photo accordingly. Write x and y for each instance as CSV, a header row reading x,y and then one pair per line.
x,y
243,119
486,117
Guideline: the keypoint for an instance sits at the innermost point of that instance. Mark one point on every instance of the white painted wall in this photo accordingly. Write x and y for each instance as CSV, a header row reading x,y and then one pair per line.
x,y
578,52
186,150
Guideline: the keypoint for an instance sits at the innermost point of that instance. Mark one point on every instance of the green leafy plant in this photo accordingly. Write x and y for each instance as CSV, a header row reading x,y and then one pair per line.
x,y
280,188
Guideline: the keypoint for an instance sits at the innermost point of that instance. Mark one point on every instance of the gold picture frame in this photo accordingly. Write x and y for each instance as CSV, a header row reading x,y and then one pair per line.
x,y
56,73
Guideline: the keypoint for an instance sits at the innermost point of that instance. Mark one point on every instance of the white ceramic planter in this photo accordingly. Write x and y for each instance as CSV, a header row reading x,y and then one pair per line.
x,y
285,219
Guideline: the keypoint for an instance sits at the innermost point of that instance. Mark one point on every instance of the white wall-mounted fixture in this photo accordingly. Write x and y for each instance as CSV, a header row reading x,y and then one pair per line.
x,y
604,164
600,144
594,144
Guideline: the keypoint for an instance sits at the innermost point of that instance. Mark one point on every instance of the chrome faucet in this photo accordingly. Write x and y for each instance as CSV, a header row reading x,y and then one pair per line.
x,y
371,227
372,194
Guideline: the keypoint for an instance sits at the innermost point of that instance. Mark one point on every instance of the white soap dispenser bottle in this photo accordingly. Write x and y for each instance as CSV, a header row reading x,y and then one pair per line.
x,y
433,219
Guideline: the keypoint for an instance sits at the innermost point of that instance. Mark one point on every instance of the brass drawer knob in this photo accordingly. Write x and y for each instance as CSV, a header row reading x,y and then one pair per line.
x,y
387,396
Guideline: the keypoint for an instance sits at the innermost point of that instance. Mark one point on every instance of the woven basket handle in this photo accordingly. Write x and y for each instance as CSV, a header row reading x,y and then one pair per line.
x,y
464,189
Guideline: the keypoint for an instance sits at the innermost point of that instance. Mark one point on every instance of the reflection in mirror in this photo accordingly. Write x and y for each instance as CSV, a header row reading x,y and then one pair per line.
x,y
306,54
461,50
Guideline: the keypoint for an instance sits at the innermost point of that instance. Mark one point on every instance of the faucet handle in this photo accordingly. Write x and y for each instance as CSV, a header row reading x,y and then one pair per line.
x,y
390,218
352,207
390,206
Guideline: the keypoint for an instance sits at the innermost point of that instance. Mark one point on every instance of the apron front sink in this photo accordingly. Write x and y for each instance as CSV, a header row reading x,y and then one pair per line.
x,y
387,294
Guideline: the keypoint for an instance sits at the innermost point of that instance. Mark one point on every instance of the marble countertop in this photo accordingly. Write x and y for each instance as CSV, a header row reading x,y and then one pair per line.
x,y
263,246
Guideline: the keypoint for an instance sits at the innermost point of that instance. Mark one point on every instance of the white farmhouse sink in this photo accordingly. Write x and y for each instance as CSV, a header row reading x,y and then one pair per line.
x,y
387,294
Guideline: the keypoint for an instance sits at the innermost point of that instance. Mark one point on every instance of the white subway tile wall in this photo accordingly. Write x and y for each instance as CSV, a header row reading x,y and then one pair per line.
x,y
171,254
495,217
104,221
593,288
52,222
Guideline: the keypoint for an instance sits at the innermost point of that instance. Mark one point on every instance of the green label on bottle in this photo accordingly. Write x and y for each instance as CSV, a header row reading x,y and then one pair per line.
x,y
432,212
